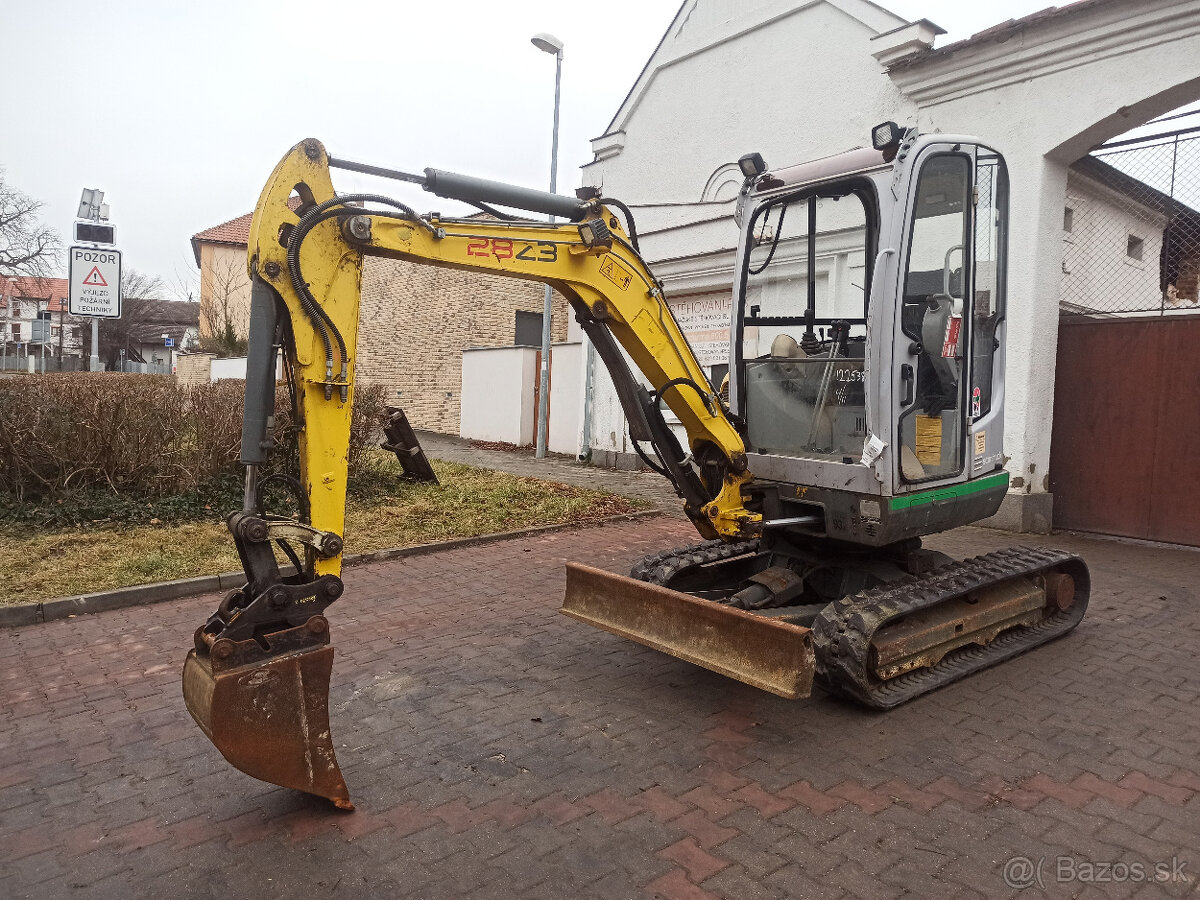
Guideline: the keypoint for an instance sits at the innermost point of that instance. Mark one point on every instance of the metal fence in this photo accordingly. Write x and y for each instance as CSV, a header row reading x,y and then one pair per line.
x,y
126,365
19,362
12,362
1131,228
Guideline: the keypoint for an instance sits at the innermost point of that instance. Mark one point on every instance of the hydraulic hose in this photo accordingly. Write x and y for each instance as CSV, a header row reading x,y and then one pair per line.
x,y
631,227
324,325
774,243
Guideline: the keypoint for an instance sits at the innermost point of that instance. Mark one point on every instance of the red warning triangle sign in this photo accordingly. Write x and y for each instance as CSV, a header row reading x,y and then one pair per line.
x,y
94,278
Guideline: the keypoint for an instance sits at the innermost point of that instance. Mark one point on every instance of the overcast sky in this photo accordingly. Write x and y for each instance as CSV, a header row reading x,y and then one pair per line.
x,y
179,111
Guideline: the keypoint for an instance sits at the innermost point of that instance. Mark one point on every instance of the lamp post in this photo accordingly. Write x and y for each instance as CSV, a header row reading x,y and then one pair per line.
x,y
548,43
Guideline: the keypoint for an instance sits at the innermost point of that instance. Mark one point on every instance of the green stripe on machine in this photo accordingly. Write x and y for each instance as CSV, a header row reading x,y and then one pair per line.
x,y
952,492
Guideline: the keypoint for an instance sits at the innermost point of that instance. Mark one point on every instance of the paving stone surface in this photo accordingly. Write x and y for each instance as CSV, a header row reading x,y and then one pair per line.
x,y
498,749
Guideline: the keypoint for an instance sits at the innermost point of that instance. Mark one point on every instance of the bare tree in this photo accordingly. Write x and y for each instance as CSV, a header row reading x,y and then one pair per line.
x,y
222,307
27,247
184,285
137,285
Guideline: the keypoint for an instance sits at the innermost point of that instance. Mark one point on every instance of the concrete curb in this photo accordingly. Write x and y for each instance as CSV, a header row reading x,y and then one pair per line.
x,y
143,594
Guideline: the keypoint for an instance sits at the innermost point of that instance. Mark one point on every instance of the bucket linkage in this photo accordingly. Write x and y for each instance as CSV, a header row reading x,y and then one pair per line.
x,y
257,682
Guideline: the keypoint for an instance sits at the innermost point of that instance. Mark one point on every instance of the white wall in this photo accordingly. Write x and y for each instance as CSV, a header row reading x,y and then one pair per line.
x,y
1097,272
230,367
566,387
1044,97
497,394
235,367
791,80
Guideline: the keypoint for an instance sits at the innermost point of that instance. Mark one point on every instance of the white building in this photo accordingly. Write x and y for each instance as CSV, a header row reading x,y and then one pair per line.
x,y
34,321
801,79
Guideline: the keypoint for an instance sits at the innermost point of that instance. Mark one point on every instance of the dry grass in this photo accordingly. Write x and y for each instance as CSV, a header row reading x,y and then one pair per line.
x,y
469,502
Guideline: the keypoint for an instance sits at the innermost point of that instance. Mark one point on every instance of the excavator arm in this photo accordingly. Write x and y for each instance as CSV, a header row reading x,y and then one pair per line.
x,y
310,257
257,680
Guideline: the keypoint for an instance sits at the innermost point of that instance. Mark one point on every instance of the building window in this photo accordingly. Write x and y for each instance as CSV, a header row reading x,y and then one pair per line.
x,y
528,330
16,332
1133,247
1068,220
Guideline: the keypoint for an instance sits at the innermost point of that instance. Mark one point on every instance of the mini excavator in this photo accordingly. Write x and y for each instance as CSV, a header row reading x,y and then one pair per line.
x,y
864,411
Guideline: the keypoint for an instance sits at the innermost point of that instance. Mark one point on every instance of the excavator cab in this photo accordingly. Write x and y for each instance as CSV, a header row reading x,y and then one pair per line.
x,y
866,354
867,381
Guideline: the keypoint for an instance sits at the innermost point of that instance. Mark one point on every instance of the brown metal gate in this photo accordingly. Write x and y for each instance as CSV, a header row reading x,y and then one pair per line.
x,y
1124,458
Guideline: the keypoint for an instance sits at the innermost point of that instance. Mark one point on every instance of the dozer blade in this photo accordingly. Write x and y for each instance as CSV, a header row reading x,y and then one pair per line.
x,y
269,718
766,653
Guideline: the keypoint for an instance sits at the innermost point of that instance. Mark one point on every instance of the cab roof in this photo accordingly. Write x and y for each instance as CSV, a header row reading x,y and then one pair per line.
x,y
852,162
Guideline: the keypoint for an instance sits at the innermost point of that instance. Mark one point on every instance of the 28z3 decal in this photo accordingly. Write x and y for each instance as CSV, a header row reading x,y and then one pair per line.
x,y
504,248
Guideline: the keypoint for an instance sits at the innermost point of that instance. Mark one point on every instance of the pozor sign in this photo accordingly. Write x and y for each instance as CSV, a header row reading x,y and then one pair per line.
x,y
95,277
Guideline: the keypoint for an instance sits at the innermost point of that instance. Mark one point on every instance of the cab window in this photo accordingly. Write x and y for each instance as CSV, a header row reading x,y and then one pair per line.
x,y
804,306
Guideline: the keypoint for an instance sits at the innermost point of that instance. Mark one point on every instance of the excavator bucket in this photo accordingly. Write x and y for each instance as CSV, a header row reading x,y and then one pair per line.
x,y
766,653
269,718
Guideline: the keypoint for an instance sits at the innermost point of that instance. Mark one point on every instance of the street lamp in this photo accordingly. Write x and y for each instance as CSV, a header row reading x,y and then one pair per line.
x,y
548,43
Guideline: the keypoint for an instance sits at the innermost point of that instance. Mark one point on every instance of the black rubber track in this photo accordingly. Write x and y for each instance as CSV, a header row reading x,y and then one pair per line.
x,y
661,568
842,632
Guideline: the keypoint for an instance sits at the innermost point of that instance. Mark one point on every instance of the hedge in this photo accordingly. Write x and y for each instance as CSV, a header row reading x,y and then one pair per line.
x,y
142,436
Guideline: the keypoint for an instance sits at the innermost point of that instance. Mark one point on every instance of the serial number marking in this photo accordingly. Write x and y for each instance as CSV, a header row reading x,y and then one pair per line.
x,y
504,248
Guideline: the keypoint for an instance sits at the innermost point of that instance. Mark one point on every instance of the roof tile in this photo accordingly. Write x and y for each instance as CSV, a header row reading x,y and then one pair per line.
x,y
235,231
30,287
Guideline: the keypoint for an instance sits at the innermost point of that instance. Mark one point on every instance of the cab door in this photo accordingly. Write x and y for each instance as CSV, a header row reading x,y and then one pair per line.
x,y
933,332
950,319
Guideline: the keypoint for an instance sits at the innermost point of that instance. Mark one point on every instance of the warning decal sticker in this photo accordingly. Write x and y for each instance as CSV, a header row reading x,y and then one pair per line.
x,y
616,273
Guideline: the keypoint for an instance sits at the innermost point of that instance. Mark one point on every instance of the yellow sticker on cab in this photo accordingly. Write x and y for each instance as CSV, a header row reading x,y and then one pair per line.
x,y
929,440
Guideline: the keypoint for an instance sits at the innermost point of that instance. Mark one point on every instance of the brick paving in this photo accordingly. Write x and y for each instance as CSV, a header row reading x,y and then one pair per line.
x,y
497,749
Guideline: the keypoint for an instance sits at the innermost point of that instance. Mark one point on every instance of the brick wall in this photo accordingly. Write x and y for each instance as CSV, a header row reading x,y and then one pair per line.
x,y
414,324
416,320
